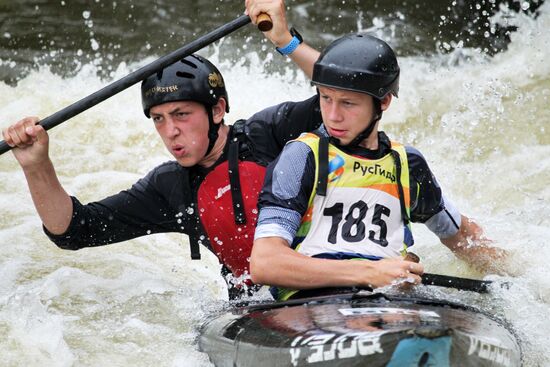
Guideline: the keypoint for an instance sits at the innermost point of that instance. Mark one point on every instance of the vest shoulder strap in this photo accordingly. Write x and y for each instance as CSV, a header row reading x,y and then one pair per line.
x,y
192,221
235,144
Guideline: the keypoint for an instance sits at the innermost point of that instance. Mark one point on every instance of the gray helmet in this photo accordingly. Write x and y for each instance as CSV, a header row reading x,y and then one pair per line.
x,y
193,78
360,63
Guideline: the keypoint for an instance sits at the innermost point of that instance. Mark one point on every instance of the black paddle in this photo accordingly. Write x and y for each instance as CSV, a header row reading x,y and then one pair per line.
x,y
142,73
465,284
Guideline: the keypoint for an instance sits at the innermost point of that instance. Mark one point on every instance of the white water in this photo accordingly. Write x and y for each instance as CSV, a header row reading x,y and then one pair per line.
x,y
482,124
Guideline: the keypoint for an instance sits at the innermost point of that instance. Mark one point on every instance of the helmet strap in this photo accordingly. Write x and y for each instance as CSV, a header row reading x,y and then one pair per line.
x,y
212,130
370,127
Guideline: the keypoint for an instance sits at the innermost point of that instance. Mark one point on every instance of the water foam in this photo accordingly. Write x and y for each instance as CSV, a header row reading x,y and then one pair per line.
x,y
481,122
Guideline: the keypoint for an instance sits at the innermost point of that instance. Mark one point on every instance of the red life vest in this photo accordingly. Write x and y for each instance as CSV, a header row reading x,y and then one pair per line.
x,y
231,242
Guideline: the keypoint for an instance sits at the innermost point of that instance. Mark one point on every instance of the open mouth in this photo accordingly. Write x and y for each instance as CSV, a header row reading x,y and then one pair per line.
x,y
178,151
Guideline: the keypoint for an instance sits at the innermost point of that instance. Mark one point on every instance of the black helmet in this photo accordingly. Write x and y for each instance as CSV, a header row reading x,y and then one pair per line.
x,y
360,63
193,78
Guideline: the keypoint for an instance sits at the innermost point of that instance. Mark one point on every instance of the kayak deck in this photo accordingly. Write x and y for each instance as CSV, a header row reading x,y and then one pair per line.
x,y
359,330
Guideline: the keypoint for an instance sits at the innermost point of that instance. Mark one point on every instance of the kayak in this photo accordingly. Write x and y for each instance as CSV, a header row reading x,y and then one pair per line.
x,y
359,329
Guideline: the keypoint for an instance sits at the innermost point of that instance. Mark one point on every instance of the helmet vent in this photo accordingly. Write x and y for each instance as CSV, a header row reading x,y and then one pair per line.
x,y
182,74
189,63
198,58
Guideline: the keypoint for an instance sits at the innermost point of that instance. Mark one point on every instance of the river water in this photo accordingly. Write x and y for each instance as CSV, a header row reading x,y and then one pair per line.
x,y
474,99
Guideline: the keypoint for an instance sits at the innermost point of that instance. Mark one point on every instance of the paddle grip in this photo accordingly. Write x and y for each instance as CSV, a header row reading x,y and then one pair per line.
x,y
264,22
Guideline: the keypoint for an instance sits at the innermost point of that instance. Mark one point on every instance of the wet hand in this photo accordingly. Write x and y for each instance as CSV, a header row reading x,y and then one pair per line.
x,y
279,35
395,271
29,140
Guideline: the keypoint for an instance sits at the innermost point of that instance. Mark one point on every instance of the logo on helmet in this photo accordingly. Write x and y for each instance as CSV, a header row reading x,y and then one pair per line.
x,y
157,89
215,80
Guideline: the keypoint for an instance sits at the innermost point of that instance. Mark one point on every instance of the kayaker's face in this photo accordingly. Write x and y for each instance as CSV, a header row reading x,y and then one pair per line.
x,y
345,113
183,127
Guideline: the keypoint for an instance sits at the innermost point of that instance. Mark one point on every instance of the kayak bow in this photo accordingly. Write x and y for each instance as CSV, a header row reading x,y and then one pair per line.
x,y
359,329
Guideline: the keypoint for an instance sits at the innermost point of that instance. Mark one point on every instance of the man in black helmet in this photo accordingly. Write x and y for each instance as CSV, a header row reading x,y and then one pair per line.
x,y
347,192
209,191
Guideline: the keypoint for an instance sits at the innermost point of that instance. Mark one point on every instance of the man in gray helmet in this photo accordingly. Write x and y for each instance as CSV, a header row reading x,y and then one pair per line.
x,y
209,191
347,192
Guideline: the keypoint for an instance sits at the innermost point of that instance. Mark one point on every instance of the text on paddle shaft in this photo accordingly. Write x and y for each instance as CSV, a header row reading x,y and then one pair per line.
x,y
354,229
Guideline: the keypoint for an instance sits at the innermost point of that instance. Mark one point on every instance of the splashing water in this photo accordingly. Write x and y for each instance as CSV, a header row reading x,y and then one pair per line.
x,y
481,122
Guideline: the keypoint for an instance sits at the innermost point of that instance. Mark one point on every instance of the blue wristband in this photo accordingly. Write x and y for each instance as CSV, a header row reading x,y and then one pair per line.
x,y
288,49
